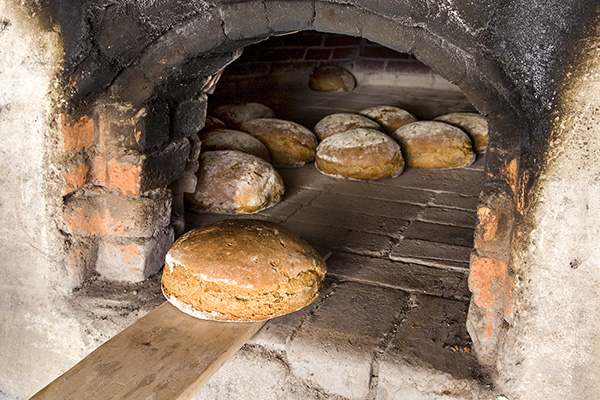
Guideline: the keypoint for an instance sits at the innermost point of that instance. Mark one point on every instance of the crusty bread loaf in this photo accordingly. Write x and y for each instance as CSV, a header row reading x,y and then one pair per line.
x,y
360,154
242,270
226,139
232,182
291,145
331,78
389,117
340,122
474,124
234,115
432,144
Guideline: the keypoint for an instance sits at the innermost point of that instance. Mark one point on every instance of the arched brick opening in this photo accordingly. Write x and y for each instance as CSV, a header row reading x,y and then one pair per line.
x,y
136,75
168,76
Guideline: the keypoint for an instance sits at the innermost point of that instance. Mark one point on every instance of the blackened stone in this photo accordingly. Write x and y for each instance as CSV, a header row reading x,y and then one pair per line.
x,y
286,16
132,86
120,36
155,125
244,20
93,75
189,118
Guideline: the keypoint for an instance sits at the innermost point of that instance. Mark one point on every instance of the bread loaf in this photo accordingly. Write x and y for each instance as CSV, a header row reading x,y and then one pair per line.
x,y
340,122
226,139
234,115
241,270
389,117
331,78
291,145
360,154
232,182
432,144
474,124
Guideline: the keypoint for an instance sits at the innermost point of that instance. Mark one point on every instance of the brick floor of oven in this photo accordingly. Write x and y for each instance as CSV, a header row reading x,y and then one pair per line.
x,y
392,314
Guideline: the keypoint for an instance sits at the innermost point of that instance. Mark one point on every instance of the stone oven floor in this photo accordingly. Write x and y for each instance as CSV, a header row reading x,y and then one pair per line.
x,y
391,319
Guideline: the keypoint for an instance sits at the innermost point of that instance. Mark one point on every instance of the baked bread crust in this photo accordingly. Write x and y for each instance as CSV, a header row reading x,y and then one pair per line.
x,y
389,117
232,182
291,144
433,144
227,139
340,122
474,124
242,270
360,154
331,78
234,115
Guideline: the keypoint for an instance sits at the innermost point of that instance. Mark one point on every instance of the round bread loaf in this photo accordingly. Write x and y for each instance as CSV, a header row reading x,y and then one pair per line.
x,y
234,115
340,122
360,154
291,145
232,182
474,124
226,139
432,144
241,270
389,117
331,78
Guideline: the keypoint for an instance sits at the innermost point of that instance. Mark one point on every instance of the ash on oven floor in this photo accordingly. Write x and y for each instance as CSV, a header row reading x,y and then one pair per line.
x,y
391,319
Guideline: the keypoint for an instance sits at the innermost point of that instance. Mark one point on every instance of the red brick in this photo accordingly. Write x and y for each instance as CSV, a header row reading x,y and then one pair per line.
x,y
341,40
369,65
104,213
344,53
78,134
491,285
317,54
125,176
76,176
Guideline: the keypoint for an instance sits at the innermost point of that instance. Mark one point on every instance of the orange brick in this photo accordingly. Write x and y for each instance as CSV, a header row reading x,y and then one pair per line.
x,y
125,176
491,286
100,171
78,134
93,222
488,223
76,177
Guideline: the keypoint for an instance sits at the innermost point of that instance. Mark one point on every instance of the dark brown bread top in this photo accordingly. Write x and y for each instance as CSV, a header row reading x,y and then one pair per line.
x,y
252,255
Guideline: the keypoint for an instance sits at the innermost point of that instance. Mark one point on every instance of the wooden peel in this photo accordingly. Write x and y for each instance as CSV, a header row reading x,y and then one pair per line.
x,y
165,355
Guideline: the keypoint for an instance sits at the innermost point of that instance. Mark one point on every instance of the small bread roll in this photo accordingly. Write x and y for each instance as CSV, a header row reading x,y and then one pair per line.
x,y
226,139
432,144
340,122
234,115
389,117
241,270
331,78
360,154
291,145
232,182
474,124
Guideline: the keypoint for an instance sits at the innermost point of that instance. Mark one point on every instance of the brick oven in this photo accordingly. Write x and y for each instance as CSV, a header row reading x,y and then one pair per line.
x,y
101,102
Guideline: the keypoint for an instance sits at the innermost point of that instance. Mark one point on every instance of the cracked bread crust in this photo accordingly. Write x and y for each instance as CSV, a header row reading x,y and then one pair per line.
x,y
432,144
291,144
233,182
360,154
474,124
242,270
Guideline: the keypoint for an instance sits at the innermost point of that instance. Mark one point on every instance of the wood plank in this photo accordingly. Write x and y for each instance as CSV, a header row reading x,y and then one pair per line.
x,y
167,354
